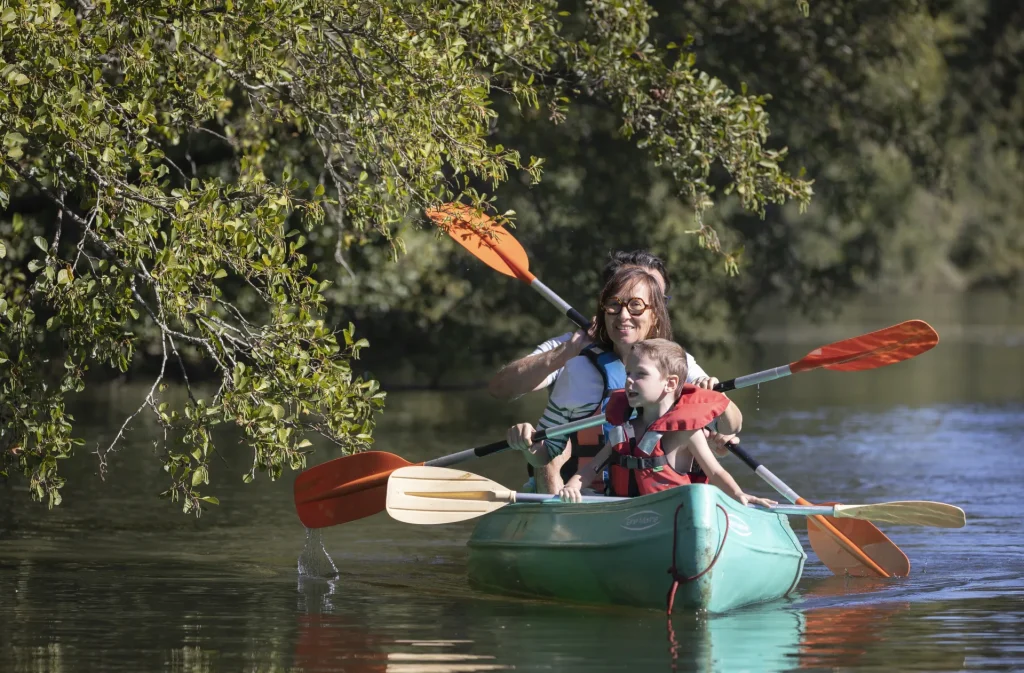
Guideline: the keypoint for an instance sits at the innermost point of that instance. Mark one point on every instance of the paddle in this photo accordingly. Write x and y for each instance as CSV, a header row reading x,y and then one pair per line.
x,y
434,495
848,547
901,513
498,249
354,487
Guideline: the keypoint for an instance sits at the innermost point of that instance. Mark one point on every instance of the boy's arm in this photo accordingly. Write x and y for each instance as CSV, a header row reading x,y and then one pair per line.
x,y
731,420
674,444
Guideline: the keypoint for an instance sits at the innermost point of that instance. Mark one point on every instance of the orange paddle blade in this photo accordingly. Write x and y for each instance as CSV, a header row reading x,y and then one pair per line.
x,y
483,237
345,489
867,537
871,351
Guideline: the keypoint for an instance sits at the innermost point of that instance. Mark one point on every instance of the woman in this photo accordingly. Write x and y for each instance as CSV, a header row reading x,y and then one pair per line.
x,y
631,308
539,369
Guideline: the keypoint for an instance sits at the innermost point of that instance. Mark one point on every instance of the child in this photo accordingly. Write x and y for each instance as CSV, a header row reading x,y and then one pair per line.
x,y
668,429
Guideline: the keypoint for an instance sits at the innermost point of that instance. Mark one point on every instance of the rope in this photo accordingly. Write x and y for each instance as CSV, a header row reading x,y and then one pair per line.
x,y
674,571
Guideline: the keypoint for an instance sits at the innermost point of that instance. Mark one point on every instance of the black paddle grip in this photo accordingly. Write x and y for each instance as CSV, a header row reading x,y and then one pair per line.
x,y
738,451
577,318
495,447
725,386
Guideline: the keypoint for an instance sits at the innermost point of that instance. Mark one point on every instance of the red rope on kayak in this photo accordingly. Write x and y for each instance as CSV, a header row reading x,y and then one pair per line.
x,y
674,572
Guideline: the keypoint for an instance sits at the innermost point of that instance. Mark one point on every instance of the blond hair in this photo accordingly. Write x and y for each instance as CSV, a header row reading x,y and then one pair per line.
x,y
668,356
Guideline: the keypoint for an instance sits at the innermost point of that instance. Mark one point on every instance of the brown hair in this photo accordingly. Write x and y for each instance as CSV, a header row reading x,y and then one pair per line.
x,y
669,356
620,284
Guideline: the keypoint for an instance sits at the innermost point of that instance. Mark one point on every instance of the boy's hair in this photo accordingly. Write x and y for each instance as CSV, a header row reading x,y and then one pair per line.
x,y
621,284
669,357
638,258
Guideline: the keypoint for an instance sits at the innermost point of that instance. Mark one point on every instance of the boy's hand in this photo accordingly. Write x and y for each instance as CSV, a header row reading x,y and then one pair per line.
x,y
719,442
520,437
754,500
571,491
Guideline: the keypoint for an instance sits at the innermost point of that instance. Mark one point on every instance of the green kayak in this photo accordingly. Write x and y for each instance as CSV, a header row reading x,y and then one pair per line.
x,y
619,553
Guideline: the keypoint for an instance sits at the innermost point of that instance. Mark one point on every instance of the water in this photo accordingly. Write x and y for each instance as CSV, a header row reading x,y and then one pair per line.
x,y
117,580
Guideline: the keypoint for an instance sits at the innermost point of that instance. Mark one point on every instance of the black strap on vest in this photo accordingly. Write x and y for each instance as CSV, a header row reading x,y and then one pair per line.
x,y
636,463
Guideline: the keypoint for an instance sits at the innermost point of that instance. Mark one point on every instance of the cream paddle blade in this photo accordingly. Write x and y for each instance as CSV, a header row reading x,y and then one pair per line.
x,y
430,495
433,495
906,513
903,513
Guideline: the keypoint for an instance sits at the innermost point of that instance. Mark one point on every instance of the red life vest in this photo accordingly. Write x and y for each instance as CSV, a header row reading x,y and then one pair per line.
x,y
645,460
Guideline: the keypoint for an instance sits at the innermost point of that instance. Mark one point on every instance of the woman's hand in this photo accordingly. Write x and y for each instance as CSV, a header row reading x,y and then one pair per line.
x,y
520,437
707,382
580,339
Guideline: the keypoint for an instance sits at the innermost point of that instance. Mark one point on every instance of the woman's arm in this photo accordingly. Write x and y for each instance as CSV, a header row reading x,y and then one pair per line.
x,y
531,372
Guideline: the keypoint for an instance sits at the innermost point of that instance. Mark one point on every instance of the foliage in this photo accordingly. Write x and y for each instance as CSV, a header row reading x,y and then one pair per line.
x,y
906,114
168,169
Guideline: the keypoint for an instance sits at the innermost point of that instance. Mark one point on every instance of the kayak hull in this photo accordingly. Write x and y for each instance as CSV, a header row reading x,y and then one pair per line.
x,y
619,553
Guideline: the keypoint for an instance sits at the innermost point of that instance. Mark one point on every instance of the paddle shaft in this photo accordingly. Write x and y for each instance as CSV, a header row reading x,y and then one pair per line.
x,y
381,478
791,495
541,289
496,447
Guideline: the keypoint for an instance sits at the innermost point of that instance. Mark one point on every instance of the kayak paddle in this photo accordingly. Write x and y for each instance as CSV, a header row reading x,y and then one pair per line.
x,y
901,513
851,547
432,495
497,248
354,487
873,350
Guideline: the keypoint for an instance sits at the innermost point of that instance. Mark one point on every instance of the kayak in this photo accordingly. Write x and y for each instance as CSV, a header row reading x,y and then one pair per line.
x,y
620,553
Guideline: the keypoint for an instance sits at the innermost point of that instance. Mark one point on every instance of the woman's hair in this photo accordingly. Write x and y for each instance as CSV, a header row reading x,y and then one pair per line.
x,y
669,356
640,258
621,285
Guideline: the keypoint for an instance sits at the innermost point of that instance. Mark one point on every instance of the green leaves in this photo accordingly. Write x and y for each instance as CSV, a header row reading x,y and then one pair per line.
x,y
185,158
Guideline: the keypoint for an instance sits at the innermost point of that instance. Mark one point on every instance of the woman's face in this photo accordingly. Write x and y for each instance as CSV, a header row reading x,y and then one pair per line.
x,y
625,329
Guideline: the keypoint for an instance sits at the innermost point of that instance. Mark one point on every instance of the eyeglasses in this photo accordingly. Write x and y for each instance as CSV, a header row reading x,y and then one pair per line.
x,y
635,305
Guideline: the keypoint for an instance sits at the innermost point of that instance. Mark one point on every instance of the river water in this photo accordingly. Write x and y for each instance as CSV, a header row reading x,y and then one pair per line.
x,y
117,580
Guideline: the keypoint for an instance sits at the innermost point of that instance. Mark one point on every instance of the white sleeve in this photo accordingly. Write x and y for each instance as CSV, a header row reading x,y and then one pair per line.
x,y
693,370
550,345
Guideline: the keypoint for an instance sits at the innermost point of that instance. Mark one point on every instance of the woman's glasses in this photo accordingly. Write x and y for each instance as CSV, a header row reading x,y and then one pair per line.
x,y
635,305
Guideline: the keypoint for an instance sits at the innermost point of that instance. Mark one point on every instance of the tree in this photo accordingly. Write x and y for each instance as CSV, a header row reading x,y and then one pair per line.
x,y
166,165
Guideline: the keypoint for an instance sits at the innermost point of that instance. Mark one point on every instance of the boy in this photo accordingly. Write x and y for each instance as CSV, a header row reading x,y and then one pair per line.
x,y
657,449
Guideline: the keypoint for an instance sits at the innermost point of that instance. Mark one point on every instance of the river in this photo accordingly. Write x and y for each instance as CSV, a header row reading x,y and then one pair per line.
x,y
117,580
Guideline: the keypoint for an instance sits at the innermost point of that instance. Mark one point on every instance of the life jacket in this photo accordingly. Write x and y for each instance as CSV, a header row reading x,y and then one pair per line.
x,y
588,442
641,467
